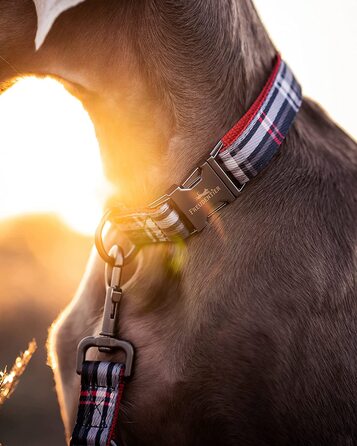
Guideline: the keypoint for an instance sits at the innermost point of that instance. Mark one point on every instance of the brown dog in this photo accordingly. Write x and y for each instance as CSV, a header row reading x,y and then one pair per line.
x,y
246,335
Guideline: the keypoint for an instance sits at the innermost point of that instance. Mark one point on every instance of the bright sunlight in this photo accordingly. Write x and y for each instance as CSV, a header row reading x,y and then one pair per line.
x,y
49,155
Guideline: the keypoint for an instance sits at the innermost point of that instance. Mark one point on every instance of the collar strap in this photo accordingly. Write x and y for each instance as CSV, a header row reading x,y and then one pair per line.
x,y
238,157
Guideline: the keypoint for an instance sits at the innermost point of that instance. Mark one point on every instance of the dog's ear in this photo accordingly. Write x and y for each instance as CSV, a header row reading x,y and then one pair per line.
x,y
47,13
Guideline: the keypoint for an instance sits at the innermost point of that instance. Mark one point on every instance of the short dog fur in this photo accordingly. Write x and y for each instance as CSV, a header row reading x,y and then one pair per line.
x,y
246,334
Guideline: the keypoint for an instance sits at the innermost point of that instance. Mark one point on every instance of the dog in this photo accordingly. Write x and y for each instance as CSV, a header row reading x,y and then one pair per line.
x,y
246,334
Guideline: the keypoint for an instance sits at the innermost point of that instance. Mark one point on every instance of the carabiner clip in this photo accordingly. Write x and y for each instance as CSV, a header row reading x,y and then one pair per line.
x,y
113,293
107,340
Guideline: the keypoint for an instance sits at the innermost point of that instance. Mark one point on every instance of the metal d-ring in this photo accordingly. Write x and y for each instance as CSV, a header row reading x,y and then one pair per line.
x,y
108,343
110,259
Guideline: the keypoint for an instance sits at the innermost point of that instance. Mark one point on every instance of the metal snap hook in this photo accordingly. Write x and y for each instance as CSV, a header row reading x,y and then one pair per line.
x,y
107,341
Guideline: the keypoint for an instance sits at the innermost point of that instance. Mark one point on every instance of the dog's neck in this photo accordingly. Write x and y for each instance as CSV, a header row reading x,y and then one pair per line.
x,y
173,79
212,74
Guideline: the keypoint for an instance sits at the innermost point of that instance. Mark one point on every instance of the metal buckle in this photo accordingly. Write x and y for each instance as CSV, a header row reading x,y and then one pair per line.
x,y
205,192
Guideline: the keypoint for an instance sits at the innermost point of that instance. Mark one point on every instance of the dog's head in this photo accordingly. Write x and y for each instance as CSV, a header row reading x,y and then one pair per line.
x,y
153,75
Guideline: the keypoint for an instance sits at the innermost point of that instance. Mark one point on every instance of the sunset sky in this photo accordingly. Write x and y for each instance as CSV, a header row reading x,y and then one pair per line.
x,y
49,155
318,39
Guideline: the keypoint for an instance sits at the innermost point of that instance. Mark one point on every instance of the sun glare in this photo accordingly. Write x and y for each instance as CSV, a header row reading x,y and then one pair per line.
x,y
49,155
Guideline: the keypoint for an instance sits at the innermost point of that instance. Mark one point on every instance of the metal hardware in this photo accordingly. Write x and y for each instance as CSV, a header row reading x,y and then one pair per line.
x,y
107,341
113,294
205,191
108,259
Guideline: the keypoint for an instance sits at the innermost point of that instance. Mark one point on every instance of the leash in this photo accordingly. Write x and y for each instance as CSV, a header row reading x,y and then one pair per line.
x,y
102,382
238,157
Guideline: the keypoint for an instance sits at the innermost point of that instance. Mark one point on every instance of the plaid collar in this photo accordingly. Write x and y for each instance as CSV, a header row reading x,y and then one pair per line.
x,y
237,158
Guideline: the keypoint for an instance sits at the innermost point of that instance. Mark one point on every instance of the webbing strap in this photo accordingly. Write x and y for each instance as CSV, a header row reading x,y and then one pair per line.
x,y
161,224
255,139
101,391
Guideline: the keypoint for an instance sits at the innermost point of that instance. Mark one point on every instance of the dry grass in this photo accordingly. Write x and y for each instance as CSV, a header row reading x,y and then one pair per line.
x,y
9,380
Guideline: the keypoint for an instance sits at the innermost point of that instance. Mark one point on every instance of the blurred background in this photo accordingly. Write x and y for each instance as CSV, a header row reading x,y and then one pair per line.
x,y
51,194
52,189
318,39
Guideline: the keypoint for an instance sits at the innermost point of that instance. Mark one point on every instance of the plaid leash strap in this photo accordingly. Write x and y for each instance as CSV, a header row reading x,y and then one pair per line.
x,y
245,151
101,390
